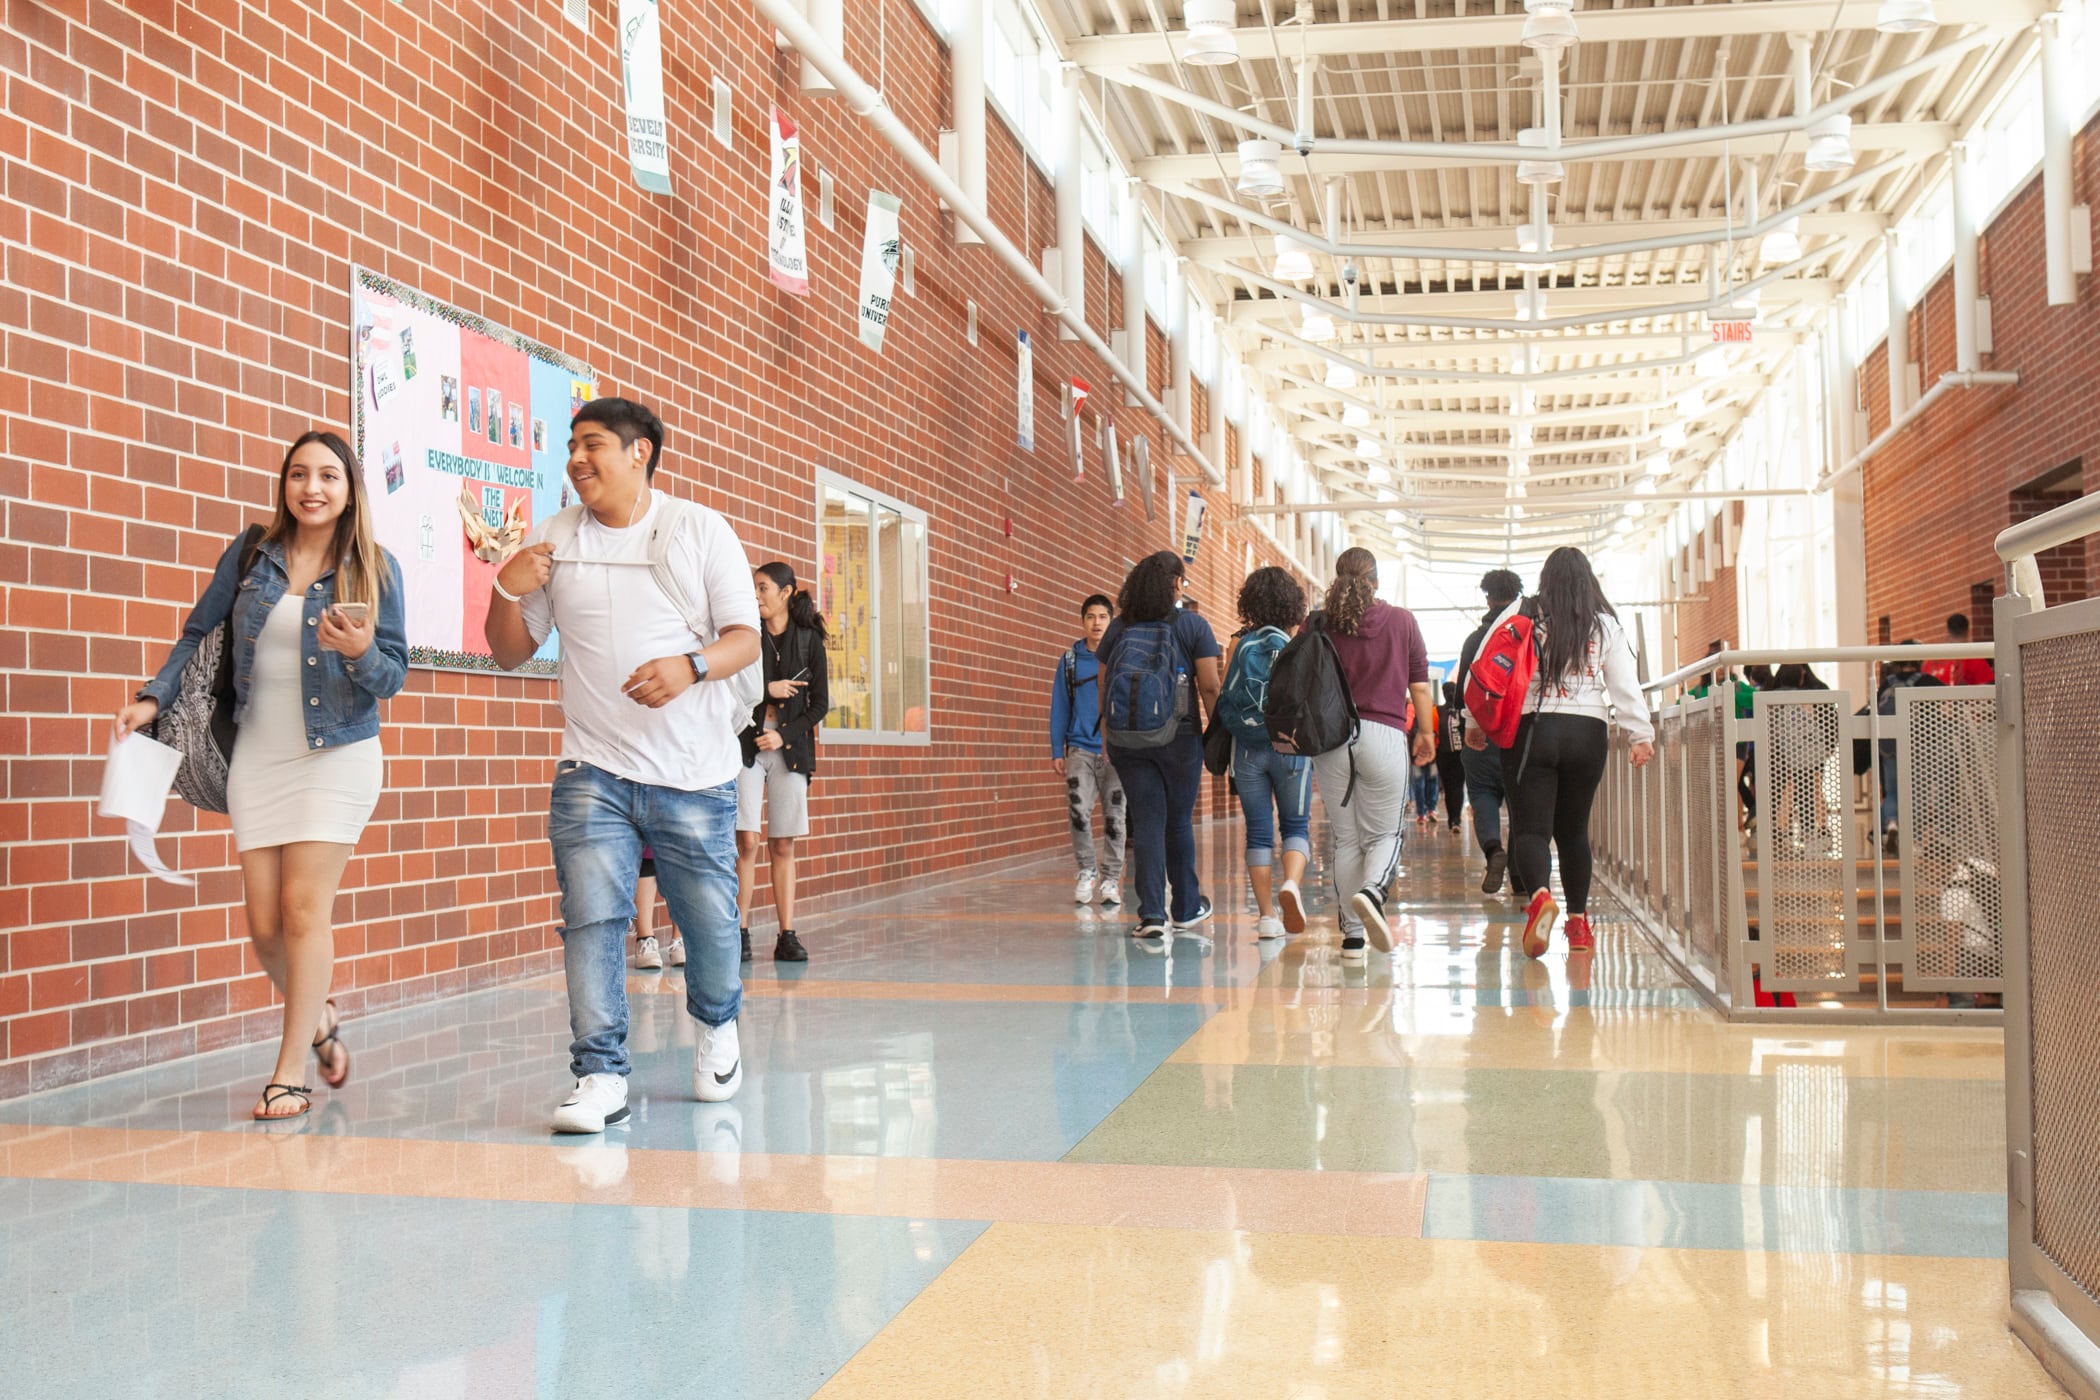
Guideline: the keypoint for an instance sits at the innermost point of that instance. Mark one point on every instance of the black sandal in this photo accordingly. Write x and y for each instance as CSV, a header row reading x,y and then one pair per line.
x,y
335,1081
274,1094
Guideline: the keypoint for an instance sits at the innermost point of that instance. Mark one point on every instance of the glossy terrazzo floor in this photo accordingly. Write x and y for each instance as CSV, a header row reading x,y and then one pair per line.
x,y
987,1146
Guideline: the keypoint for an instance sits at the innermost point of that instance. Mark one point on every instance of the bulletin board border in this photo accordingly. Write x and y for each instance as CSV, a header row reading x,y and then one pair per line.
x,y
364,278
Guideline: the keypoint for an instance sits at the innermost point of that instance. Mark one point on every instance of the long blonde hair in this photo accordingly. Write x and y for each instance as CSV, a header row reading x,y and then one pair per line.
x,y
361,574
1354,589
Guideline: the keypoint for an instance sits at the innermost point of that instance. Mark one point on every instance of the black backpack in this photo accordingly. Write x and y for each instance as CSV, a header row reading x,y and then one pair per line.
x,y
1308,709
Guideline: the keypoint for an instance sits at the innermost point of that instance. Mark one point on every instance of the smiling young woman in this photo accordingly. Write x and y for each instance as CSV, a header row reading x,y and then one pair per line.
x,y
319,641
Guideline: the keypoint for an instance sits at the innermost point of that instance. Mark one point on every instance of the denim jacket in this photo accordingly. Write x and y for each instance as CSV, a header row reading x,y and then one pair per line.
x,y
342,696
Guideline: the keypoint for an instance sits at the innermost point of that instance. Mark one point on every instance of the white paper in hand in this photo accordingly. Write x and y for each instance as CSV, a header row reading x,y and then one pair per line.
x,y
135,784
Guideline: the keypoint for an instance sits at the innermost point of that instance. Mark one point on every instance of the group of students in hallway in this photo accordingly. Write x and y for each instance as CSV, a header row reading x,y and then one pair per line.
x,y
1148,784
691,687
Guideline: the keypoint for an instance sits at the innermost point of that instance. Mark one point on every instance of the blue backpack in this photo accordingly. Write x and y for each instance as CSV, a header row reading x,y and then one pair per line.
x,y
1246,689
1145,698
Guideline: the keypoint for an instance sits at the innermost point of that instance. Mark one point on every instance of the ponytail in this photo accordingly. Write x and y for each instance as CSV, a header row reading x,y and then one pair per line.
x,y
1354,589
802,609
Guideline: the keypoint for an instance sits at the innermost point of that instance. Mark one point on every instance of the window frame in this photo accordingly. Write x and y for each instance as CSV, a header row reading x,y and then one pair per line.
x,y
874,498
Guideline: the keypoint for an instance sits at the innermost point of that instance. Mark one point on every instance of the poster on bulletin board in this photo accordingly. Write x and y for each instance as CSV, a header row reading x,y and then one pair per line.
x,y
462,430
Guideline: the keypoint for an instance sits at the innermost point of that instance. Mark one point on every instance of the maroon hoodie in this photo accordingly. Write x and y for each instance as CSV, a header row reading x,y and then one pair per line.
x,y
1381,661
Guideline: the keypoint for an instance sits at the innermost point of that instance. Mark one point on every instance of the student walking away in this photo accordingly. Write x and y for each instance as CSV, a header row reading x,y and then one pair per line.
x,y
1895,676
780,751
1972,670
1745,702
649,954
1275,788
1482,760
1385,663
1585,680
1156,660
1077,756
652,596
319,640
1799,742
1450,746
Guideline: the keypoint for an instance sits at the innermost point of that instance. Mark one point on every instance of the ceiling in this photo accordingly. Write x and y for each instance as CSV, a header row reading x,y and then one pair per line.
x,y
1479,420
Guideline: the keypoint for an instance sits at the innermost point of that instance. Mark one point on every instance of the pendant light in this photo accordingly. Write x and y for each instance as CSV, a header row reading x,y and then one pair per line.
x,y
1293,262
1548,24
1261,175
1210,41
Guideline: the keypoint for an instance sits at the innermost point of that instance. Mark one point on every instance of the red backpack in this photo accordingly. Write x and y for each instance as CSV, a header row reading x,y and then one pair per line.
x,y
1501,678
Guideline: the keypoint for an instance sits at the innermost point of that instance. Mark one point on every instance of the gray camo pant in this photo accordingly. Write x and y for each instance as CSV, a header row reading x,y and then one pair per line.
x,y
1090,777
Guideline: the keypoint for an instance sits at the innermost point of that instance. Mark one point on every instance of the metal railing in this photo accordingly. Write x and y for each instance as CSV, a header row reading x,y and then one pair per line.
x,y
2049,779
1803,909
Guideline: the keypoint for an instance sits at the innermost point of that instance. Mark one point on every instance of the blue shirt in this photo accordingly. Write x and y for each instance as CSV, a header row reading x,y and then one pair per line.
x,y
1075,701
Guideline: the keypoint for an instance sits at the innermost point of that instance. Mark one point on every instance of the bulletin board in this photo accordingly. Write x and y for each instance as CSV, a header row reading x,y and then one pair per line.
x,y
461,428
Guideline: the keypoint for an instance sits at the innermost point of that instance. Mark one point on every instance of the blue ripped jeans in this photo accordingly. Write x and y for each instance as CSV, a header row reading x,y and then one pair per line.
x,y
1265,776
598,824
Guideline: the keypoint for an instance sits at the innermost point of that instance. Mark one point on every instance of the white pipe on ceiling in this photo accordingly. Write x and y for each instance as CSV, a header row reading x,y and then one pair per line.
x,y
966,78
1899,331
1071,220
1967,281
868,103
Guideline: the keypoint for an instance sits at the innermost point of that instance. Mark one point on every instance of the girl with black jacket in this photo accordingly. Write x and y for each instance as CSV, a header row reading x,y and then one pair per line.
x,y
780,749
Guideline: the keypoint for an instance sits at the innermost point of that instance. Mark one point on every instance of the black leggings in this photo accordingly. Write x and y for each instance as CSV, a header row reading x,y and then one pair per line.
x,y
1451,771
1551,802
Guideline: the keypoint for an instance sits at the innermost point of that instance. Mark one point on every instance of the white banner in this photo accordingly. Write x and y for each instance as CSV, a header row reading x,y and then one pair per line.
x,y
1024,396
1141,463
1111,461
642,59
786,254
1192,532
879,252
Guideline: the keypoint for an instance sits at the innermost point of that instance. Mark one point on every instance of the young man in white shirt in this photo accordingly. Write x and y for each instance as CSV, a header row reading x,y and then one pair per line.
x,y
649,752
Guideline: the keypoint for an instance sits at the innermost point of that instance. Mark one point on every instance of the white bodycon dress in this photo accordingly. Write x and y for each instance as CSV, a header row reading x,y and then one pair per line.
x,y
279,790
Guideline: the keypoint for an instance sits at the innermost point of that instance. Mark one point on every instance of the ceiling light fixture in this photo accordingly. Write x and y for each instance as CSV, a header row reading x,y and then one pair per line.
x,y
1658,465
1356,416
1317,326
1674,437
1534,171
1782,244
1372,447
1261,177
1528,240
1293,262
1548,24
1210,40
1905,16
1830,143
1340,376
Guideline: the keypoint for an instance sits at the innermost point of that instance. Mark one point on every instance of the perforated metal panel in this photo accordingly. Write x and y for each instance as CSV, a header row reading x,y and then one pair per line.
x,y
1947,812
1705,795
2060,759
1669,765
1654,867
1807,893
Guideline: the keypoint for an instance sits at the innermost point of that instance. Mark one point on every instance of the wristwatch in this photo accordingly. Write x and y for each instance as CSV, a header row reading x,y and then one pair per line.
x,y
699,661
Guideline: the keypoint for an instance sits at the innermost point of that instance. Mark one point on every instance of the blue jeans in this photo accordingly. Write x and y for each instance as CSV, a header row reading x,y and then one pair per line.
x,y
1888,782
1159,790
1262,775
1425,791
598,824
1484,791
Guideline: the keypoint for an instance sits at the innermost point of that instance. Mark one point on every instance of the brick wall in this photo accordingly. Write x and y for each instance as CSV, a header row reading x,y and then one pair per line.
x,y
187,187
1710,613
1968,467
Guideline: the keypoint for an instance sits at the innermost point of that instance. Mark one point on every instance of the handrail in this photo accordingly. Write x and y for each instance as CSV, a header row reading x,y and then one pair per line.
x,y
1917,651
2070,521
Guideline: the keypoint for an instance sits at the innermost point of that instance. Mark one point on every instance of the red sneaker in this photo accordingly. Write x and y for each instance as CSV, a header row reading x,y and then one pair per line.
x,y
1539,917
1580,939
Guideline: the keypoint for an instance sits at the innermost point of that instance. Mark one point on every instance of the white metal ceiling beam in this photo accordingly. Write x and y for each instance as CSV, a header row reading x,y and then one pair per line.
x,y
1488,31
1633,302
1403,357
1568,239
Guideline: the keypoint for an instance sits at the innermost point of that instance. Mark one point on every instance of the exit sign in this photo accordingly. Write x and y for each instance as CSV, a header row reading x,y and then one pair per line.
x,y
1732,332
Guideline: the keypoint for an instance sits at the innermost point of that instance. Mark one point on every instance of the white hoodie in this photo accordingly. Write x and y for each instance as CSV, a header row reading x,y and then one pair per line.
x,y
1607,681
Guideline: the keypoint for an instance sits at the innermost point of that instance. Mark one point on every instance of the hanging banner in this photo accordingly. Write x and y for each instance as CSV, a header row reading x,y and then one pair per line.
x,y
787,257
1075,398
1141,463
1192,531
642,58
1024,395
879,252
1111,464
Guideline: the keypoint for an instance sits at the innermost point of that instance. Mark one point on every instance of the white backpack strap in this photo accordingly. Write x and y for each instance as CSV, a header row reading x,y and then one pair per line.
x,y
562,527
746,686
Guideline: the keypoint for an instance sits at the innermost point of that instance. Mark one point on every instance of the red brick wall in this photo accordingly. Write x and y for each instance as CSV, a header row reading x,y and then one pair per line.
x,y
1939,494
1709,614
186,189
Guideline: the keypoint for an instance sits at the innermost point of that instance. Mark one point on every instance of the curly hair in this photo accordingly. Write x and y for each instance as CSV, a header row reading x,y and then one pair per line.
x,y
1149,594
1272,598
1354,589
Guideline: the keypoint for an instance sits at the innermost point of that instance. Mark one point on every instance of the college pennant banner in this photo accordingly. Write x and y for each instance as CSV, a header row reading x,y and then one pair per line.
x,y
642,59
1192,531
1110,462
787,257
1141,463
879,252
1024,395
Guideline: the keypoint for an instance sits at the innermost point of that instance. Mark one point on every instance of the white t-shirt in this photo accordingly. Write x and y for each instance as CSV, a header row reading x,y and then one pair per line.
x,y
1605,686
613,618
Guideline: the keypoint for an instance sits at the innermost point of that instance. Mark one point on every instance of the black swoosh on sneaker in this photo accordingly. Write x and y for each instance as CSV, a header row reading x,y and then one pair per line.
x,y
725,1078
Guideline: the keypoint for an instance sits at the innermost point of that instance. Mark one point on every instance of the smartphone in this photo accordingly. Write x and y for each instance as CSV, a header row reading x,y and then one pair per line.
x,y
801,675
354,613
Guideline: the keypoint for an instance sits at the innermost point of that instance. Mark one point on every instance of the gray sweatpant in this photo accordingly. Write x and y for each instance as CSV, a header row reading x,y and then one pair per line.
x,y
1367,832
1090,777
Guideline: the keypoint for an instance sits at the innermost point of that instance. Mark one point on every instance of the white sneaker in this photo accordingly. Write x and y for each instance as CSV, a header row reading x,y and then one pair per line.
x,y
1111,891
1268,926
648,955
718,1064
1083,892
675,954
1291,904
599,1099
